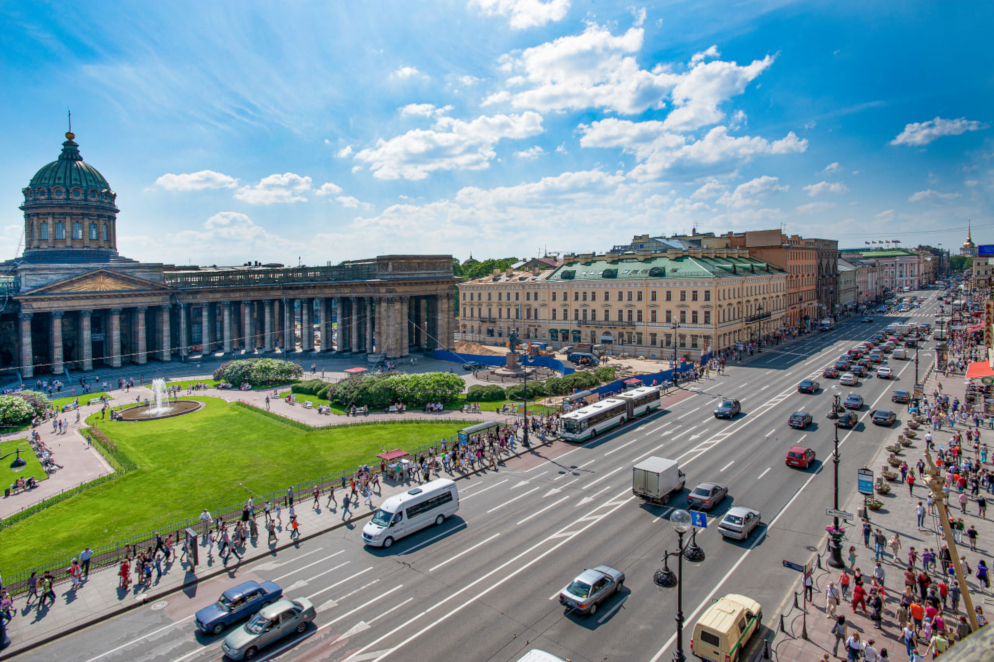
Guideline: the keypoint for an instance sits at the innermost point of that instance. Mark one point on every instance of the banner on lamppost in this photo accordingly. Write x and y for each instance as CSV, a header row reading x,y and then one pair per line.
x,y
864,481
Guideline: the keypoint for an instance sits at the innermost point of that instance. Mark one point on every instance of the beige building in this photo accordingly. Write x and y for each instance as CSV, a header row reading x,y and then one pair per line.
x,y
846,285
687,301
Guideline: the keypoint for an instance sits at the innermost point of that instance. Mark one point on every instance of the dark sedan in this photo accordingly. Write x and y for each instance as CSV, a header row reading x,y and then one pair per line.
x,y
830,372
842,365
799,420
853,401
728,409
706,496
237,604
884,417
867,320
847,419
808,386
859,369
901,397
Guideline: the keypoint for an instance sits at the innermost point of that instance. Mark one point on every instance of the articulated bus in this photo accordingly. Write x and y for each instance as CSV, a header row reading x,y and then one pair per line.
x,y
588,422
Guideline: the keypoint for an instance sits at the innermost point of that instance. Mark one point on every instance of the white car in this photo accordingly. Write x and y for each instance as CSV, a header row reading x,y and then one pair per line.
x,y
900,353
848,379
739,522
884,372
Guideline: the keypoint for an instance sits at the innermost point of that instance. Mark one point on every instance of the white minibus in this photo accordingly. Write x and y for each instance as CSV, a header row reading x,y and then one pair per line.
x,y
404,514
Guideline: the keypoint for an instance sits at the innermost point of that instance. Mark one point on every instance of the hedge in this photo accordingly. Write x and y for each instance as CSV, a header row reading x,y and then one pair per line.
x,y
309,387
606,373
489,393
258,372
383,390
535,390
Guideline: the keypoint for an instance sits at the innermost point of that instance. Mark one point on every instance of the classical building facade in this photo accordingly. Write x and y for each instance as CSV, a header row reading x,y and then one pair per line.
x,y
72,301
829,296
847,286
688,301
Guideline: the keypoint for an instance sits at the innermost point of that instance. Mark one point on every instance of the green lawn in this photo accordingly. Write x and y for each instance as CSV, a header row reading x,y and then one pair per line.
x,y
27,454
315,400
495,406
187,383
215,457
84,399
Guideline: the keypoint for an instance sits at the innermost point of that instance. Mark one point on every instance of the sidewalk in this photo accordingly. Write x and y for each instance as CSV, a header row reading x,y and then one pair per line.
x,y
897,515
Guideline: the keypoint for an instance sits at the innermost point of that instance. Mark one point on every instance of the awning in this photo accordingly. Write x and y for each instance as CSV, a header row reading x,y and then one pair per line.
x,y
974,328
632,381
978,370
389,456
355,371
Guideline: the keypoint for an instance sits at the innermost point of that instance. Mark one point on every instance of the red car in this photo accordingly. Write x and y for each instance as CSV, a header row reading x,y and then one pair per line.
x,y
800,456
830,372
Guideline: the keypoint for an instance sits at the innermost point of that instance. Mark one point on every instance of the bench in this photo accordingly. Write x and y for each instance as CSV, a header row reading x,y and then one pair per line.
x,y
392,409
308,404
95,401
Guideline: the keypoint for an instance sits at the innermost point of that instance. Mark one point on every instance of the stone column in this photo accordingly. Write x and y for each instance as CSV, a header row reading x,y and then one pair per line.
x,y
142,348
370,306
323,326
27,353
184,347
208,329
56,343
354,324
267,325
384,322
247,326
306,327
226,324
405,326
115,337
344,324
167,354
431,323
419,320
289,327
86,339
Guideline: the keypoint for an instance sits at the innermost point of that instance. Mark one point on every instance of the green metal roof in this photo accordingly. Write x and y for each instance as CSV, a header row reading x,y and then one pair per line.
x,y
660,268
69,171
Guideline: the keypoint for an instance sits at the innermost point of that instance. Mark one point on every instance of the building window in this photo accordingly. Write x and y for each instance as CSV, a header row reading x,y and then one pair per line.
x,y
638,295
500,313
576,296
621,316
638,317
593,315
553,315
638,338
693,342
669,295
77,230
60,230
43,230
584,296
652,316
669,316
629,295
490,296
652,339
517,313
593,296
707,316
629,316
93,231
499,295
693,295
516,294
683,340
669,340
683,317
576,313
683,295
707,295
553,296
693,317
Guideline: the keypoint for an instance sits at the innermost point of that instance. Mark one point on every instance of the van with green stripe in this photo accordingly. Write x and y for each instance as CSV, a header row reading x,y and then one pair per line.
x,y
722,632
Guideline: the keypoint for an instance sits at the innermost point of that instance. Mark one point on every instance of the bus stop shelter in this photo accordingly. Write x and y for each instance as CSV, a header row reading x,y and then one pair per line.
x,y
466,434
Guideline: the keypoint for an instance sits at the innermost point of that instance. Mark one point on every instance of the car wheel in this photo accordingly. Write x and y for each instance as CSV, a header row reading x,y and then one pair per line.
x,y
217,629
387,542
439,520
621,585
264,605
593,609
250,653
301,628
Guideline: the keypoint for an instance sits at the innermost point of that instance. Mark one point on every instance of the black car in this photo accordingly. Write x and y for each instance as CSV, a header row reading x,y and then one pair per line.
x,y
808,386
473,365
867,320
830,372
728,409
901,397
910,342
847,419
859,369
842,366
884,417
853,401
799,420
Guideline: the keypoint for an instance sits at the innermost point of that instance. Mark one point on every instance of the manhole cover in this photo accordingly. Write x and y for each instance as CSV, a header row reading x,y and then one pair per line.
x,y
159,605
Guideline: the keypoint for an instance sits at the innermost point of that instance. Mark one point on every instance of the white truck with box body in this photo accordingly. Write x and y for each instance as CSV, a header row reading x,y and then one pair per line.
x,y
655,478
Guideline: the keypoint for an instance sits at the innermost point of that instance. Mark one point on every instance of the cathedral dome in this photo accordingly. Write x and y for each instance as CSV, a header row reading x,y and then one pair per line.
x,y
69,180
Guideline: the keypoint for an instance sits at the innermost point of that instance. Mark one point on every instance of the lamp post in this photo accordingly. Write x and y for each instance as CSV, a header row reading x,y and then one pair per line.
x,y
525,441
675,326
664,577
835,544
18,464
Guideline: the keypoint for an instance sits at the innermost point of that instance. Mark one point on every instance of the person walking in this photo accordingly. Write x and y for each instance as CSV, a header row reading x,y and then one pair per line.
x,y
331,497
895,546
840,630
317,499
84,560
921,515
854,647
32,587
809,585
346,502
74,573
205,523
271,528
289,496
832,598
369,498
867,532
911,484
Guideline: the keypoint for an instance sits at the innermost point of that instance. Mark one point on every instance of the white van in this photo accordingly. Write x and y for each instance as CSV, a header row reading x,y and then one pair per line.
x,y
404,514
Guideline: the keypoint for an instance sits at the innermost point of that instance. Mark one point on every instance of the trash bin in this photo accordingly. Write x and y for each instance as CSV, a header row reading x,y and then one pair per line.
x,y
6,492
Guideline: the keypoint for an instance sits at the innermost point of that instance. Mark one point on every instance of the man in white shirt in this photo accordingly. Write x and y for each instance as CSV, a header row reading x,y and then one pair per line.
x,y
205,521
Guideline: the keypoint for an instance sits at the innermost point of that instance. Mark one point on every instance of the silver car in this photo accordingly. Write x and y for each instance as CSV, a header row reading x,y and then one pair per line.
x,y
270,624
739,522
591,588
706,496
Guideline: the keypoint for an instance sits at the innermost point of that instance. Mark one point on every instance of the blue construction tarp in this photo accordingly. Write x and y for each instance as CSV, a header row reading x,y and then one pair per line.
x,y
541,361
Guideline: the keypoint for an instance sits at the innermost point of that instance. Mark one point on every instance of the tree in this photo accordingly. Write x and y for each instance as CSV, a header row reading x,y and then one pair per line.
x,y
960,262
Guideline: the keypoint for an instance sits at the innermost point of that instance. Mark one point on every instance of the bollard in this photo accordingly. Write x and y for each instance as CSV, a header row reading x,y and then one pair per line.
x,y
766,649
796,606
819,562
782,628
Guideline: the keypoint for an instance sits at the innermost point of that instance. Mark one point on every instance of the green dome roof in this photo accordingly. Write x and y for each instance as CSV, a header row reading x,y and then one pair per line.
x,y
69,171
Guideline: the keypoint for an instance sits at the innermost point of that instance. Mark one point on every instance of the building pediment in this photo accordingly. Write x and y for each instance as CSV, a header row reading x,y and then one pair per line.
x,y
100,281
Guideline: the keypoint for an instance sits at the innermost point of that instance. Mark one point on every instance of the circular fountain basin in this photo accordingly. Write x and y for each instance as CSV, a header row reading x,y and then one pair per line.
x,y
168,410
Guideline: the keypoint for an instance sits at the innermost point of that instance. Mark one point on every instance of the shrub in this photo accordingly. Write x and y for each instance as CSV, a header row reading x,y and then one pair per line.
x,y
309,387
382,390
556,386
605,374
535,390
489,393
581,381
15,410
39,401
325,392
258,372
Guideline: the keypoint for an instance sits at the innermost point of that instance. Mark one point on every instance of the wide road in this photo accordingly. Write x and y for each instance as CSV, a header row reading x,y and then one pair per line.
x,y
484,585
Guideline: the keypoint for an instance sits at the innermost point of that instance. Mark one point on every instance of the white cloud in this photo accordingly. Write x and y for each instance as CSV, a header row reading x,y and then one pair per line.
x,y
826,187
932,195
751,192
712,52
662,152
707,85
196,181
711,189
348,201
404,73
469,80
424,110
530,153
547,191
638,14
329,189
344,152
450,144
919,134
525,13
813,207
561,149
971,182
887,215
275,189
832,168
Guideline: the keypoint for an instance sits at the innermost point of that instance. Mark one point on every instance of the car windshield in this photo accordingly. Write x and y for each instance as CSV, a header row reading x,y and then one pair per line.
x,y
382,518
806,384
701,491
733,519
797,417
257,624
726,403
883,414
579,589
224,603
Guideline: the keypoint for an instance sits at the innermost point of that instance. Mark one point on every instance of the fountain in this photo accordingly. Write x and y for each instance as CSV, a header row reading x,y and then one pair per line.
x,y
160,406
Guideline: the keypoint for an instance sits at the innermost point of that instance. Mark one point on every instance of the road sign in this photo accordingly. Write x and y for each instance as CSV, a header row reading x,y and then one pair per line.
x,y
697,518
841,514
793,566
864,481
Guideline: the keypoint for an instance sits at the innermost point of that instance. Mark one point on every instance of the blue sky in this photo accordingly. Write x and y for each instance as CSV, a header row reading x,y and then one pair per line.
x,y
324,131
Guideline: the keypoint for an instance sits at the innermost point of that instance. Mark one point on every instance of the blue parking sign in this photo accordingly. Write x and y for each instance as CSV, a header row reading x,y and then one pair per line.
x,y
699,519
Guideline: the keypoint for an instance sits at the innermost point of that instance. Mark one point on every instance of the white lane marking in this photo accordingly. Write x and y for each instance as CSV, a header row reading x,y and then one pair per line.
x,y
510,501
803,437
662,515
604,477
556,594
463,498
453,558
143,638
565,485
764,473
655,449
633,441
765,387
340,565
744,385
338,583
272,565
363,606
559,457
685,432
389,610
689,412
541,511
726,466
709,388
309,565
770,433
654,431
434,538
613,610
361,588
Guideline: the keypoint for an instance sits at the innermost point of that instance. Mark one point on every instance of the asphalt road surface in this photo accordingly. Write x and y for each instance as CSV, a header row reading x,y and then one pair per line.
x,y
484,585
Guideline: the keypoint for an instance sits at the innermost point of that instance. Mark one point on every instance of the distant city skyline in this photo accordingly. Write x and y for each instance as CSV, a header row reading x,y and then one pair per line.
x,y
323,132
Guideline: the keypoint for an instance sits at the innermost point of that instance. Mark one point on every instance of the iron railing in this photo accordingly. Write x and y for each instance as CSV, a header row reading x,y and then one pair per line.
x,y
266,276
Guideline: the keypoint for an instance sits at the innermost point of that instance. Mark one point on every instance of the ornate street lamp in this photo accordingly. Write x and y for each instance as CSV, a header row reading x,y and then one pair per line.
x,y
664,577
835,541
